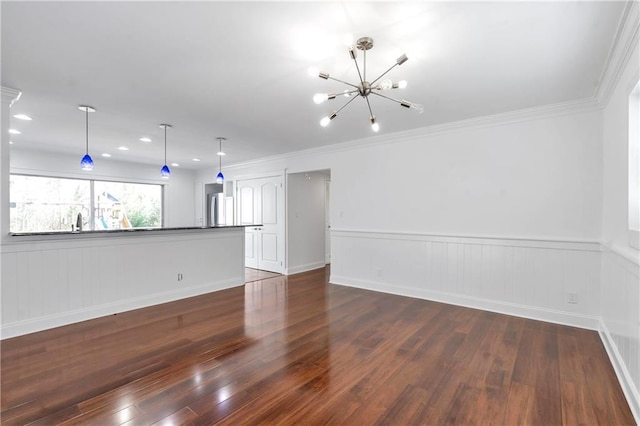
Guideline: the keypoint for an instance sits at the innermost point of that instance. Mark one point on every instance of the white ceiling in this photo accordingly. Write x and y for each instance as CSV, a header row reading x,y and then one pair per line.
x,y
240,69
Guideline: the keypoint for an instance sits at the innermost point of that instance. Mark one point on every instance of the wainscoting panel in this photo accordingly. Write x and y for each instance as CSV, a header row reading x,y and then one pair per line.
x,y
48,283
620,320
528,278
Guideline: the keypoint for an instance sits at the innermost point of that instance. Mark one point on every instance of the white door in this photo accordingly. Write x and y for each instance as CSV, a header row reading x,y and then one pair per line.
x,y
246,196
261,202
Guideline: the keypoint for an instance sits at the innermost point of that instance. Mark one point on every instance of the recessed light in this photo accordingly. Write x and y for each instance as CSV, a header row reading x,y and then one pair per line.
x,y
14,131
106,154
123,148
196,159
22,117
145,140
175,165
10,142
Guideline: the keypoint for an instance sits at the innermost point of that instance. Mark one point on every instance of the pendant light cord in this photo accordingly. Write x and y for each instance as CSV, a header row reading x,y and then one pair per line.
x,y
220,156
165,145
86,111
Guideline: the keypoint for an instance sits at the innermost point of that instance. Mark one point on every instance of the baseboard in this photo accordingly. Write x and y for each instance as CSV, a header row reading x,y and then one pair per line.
x,y
624,378
304,268
524,311
20,328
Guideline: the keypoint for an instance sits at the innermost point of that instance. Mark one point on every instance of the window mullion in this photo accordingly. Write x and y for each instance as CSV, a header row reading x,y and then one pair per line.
x,y
92,210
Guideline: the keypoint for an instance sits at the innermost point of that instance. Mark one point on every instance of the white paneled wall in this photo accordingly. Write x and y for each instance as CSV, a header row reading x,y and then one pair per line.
x,y
48,283
528,278
620,319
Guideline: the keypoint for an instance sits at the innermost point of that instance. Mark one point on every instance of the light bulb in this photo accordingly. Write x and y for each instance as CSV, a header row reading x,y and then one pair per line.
x,y
402,84
325,121
374,124
408,104
319,98
346,93
385,84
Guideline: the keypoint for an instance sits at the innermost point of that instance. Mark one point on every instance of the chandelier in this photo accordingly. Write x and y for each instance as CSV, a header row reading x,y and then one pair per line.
x,y
365,88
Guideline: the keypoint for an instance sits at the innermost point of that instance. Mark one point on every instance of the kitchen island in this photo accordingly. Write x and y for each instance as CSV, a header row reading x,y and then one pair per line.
x,y
50,279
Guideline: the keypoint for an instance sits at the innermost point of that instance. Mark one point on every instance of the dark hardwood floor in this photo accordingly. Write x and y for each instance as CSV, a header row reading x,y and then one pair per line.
x,y
296,350
251,275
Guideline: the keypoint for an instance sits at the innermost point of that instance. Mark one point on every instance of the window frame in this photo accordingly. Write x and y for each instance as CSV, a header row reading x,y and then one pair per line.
x,y
633,152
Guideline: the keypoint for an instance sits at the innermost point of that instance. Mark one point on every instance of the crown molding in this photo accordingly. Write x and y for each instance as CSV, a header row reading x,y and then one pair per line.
x,y
510,117
622,48
9,95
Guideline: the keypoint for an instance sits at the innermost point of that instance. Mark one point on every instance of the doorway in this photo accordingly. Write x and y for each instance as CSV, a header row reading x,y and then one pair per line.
x,y
308,220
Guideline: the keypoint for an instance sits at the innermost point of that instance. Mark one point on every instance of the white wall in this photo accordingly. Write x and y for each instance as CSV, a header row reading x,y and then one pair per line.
x,y
620,280
305,221
51,281
615,225
179,202
533,178
500,213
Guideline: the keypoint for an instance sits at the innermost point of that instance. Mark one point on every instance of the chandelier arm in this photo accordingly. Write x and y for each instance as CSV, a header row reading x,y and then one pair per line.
x,y
366,98
384,73
348,102
386,97
343,82
358,68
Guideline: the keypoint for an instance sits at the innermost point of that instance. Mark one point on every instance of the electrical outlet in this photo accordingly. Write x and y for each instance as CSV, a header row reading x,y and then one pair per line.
x,y
179,276
572,297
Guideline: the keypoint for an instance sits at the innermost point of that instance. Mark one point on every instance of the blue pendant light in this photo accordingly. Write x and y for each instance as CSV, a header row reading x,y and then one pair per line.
x,y
164,171
220,176
87,162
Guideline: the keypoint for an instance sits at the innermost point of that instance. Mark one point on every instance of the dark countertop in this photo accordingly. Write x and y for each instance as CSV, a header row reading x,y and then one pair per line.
x,y
129,230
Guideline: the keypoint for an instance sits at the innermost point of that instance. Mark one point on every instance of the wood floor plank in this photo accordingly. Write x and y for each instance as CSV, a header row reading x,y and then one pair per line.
x,y
298,350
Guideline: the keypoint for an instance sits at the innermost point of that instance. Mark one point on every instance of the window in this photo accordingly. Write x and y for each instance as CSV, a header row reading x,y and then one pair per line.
x,y
52,204
634,167
47,204
121,205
